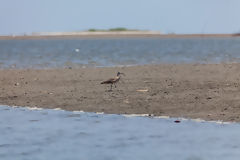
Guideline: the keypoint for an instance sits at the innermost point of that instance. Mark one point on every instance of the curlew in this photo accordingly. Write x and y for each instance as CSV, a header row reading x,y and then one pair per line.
x,y
114,80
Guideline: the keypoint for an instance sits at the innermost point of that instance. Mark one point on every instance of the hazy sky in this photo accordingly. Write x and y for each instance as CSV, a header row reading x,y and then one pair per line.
x,y
167,16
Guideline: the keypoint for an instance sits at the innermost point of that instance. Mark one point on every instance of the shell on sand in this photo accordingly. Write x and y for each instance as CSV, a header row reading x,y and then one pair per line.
x,y
142,90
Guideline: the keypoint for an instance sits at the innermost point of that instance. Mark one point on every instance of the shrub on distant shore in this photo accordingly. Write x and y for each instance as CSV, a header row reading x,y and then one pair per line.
x,y
118,29
92,30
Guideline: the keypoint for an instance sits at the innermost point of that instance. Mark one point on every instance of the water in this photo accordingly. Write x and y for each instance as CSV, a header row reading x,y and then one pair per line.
x,y
56,134
104,52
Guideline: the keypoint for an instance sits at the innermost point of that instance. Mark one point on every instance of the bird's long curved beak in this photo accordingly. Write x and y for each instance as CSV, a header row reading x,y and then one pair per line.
x,y
123,74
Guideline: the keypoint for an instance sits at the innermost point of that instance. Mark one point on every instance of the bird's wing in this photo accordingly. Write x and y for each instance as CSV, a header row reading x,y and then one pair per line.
x,y
111,80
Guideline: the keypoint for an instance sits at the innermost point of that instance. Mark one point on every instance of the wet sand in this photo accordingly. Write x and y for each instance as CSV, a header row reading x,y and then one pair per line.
x,y
207,91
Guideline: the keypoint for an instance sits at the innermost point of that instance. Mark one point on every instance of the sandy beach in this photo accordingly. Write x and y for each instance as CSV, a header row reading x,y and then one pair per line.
x,y
207,91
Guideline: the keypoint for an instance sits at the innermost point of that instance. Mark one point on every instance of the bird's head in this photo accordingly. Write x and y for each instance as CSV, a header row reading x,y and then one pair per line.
x,y
119,73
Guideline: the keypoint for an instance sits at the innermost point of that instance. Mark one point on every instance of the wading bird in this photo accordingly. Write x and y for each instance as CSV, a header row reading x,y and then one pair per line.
x,y
114,80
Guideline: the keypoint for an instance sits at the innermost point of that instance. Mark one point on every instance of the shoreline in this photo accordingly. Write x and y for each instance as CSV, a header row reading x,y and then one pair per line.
x,y
176,119
128,34
206,91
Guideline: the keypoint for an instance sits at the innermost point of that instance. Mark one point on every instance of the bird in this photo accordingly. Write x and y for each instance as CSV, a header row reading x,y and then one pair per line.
x,y
114,80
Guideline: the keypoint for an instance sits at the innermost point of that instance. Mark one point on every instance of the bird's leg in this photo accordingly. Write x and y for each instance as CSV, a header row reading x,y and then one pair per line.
x,y
115,85
110,89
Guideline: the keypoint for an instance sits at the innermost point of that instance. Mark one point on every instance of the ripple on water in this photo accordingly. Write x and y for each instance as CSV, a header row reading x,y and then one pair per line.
x,y
116,52
74,115
4,145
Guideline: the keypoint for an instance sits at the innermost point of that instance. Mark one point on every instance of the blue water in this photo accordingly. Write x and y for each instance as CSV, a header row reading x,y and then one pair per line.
x,y
63,135
104,52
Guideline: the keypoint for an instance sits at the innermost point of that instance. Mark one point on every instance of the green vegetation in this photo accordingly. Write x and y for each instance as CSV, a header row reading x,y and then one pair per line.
x,y
91,30
118,29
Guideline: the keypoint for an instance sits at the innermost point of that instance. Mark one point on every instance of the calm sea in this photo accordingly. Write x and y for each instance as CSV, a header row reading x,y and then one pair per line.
x,y
104,52
62,135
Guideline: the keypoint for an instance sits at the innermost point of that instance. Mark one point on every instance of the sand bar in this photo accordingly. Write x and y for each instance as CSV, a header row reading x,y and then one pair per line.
x,y
122,34
207,91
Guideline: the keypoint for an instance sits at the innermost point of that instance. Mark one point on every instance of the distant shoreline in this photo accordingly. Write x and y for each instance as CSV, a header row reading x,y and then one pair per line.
x,y
121,34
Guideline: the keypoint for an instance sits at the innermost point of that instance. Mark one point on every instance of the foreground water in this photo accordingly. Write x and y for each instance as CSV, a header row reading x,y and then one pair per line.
x,y
102,52
56,134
